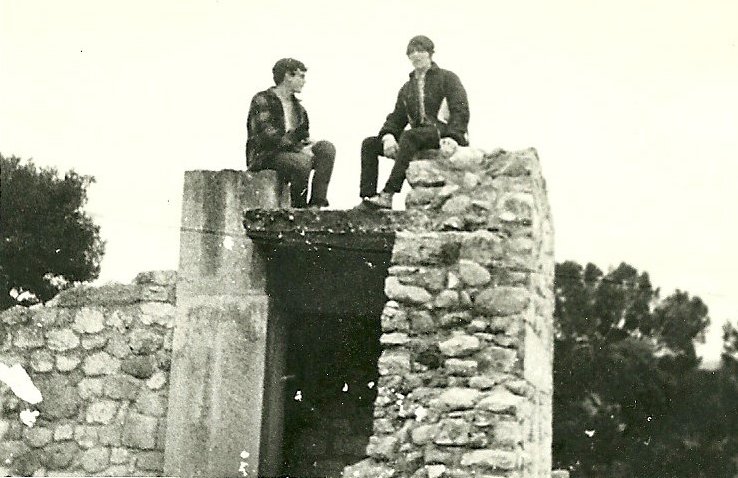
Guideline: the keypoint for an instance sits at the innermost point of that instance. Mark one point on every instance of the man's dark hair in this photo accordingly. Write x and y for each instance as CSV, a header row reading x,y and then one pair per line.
x,y
284,66
420,42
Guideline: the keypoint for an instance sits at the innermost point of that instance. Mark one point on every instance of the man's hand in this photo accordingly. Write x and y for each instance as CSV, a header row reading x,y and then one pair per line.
x,y
390,146
448,147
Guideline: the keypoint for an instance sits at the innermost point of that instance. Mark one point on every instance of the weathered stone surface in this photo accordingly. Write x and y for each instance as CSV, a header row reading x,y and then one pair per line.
x,y
473,274
61,340
395,290
157,313
100,363
95,459
29,338
94,341
138,366
447,299
425,249
393,318
368,468
395,338
508,433
151,403
89,321
157,381
63,432
500,401
499,359
492,459
66,363
459,346
421,321
144,341
503,300
38,436
453,432
118,347
139,431
42,361
424,173
382,448
110,435
60,397
464,368
459,398
150,461
101,411
90,387
457,205
482,247
394,362
85,436
60,455
423,434
119,456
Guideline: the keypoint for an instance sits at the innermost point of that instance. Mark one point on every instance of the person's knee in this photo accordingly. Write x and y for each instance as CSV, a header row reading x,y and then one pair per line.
x,y
324,149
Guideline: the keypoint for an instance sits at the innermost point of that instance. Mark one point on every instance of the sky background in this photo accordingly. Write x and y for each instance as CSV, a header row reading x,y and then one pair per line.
x,y
632,106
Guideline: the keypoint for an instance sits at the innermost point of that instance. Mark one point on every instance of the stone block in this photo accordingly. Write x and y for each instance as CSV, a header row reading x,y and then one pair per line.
x,y
95,459
425,173
29,338
162,278
110,435
63,432
100,363
455,319
465,368
455,398
394,363
368,468
500,401
143,341
157,381
101,411
117,346
90,387
498,359
452,432
158,313
421,321
94,341
395,290
150,461
151,403
383,448
490,459
61,399
446,299
60,455
502,300
138,366
139,431
473,274
460,346
88,321
38,437
67,363
394,339
118,456
425,249
85,436
42,361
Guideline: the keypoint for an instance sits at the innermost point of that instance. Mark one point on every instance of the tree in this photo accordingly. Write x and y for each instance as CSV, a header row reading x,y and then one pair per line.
x,y
627,383
48,242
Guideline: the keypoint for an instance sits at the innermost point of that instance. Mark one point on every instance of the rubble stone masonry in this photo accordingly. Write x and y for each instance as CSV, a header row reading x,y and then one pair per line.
x,y
465,382
100,358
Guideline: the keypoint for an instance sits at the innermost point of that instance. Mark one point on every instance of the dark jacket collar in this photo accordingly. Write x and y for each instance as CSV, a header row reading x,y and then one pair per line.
x,y
272,90
434,68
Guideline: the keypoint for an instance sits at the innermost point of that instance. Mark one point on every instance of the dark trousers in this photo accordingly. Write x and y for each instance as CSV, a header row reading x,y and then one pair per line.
x,y
411,141
296,167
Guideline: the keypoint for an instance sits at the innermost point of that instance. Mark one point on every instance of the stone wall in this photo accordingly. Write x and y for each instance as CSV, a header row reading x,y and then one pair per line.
x,y
465,382
101,358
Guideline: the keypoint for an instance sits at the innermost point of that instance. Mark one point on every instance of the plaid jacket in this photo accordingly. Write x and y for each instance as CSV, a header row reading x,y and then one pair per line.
x,y
266,129
442,90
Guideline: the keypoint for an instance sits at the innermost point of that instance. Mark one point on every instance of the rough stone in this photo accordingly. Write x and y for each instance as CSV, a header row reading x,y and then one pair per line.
x,y
500,401
63,432
491,459
453,432
157,381
503,300
395,338
67,363
394,362
42,361
95,459
85,436
144,341
101,411
90,387
424,173
464,368
459,346
139,431
110,435
382,448
60,455
421,321
60,397
150,461
395,290
368,468
473,274
455,319
498,359
423,434
447,299
88,321
94,341
29,338
424,249
151,403
100,363
118,456
37,436
118,347
393,318
139,366
61,340
157,313
455,398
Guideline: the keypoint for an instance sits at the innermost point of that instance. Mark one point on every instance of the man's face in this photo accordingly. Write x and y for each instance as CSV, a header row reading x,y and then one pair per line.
x,y
420,59
295,80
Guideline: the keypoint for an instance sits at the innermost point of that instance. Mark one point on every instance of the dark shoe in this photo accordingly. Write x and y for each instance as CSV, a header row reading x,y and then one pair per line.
x,y
380,201
318,204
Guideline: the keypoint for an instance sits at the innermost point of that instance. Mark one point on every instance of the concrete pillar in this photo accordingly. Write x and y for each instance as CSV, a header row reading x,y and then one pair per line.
x,y
219,357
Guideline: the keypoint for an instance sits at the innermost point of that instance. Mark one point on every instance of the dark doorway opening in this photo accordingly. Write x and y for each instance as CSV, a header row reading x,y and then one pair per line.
x,y
324,329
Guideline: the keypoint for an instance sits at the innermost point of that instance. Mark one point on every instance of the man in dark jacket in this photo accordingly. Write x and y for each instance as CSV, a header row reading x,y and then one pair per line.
x,y
279,137
433,102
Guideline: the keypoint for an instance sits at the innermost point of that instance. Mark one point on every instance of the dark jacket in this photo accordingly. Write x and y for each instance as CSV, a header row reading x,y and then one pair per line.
x,y
440,84
266,130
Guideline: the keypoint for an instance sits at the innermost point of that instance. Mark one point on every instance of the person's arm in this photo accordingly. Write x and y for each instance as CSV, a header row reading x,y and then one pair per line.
x,y
458,107
397,120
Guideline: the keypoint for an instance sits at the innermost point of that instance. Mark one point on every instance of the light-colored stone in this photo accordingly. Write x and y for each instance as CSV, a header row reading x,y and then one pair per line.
x,y
503,300
395,290
394,362
37,436
395,338
144,341
63,432
461,367
90,387
61,340
67,363
492,459
383,448
85,436
151,403
453,432
118,456
89,321
473,274
500,400
29,338
455,398
101,411
459,346
139,431
100,363
95,459
447,299
157,313
157,381
42,361
94,341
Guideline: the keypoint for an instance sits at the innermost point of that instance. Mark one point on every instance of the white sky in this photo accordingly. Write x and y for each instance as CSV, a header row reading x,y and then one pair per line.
x,y
632,105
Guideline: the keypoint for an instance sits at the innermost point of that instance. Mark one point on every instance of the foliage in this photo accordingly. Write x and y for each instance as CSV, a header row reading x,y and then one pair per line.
x,y
629,397
47,242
